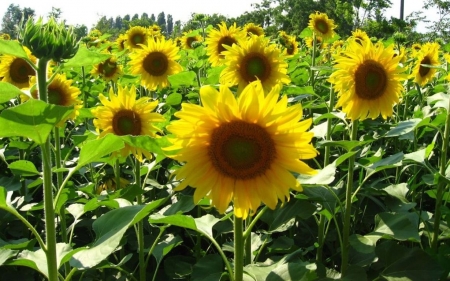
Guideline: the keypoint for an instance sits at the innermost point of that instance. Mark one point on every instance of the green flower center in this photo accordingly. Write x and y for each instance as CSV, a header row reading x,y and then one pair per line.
x,y
423,70
127,122
156,63
20,71
370,80
55,96
241,150
322,26
255,66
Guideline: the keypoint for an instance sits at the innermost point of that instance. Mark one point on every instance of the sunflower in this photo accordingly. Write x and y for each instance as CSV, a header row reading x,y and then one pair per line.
x,y
359,36
428,55
217,38
136,36
5,36
288,43
253,29
241,149
368,80
415,49
319,42
155,62
122,114
321,25
109,184
188,39
17,71
120,42
254,59
109,70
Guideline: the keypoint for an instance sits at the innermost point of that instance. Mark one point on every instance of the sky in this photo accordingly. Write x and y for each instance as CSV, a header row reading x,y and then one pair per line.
x,y
88,12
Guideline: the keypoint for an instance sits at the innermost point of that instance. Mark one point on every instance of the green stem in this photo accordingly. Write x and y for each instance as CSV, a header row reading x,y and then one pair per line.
x,y
441,186
140,224
238,249
348,205
311,72
71,273
117,173
248,230
248,244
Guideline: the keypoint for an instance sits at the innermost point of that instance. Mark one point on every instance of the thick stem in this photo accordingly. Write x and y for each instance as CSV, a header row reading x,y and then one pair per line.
x,y
238,249
248,244
442,185
348,205
140,225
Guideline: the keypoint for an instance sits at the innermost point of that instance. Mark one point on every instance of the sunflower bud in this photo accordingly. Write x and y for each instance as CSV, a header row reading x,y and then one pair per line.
x,y
51,40
400,37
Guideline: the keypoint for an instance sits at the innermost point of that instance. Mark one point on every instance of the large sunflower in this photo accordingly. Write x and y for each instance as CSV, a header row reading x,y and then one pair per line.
x,y
368,80
122,114
155,62
322,25
217,38
426,57
109,70
254,59
17,71
136,36
241,150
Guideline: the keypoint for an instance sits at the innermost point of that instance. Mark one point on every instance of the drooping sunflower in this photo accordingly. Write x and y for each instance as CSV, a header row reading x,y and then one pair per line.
x,y
415,49
188,39
368,80
253,29
428,55
5,36
217,38
17,71
122,114
359,36
155,62
319,42
136,36
288,43
241,149
254,59
120,42
109,70
321,25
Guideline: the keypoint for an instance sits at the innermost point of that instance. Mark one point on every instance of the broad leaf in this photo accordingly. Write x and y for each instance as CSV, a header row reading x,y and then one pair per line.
x,y
12,48
23,168
8,91
85,57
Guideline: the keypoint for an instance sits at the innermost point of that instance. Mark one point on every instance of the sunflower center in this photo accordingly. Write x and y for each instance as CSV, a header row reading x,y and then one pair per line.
x,y
322,26
56,97
226,40
370,80
255,66
20,71
190,41
156,63
253,31
241,150
126,122
138,39
423,70
108,68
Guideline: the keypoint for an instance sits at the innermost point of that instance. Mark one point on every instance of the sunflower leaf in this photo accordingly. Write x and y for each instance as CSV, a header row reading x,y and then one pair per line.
x,y
184,78
34,119
24,168
12,48
94,150
85,57
8,91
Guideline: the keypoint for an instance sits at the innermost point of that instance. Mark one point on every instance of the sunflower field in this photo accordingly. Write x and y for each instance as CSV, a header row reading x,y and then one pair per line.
x,y
223,154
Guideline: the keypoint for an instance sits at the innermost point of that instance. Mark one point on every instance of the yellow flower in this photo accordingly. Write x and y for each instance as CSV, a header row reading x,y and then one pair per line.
x,y
17,71
5,36
289,44
415,49
254,59
359,36
368,80
319,42
109,184
155,62
120,42
109,70
241,149
429,55
122,115
253,29
321,25
136,36
217,38
189,38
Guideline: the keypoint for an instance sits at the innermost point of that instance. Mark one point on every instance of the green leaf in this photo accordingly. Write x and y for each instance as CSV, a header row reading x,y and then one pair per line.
x,y
439,100
324,176
391,161
23,168
8,91
362,251
299,271
208,268
85,57
398,191
403,127
399,226
109,230
5,254
165,246
33,119
284,217
94,150
184,78
3,198
347,144
12,48
174,99
184,204
203,224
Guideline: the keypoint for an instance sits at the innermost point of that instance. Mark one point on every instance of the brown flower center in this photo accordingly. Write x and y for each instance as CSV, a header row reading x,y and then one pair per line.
x,y
156,63
56,96
137,39
370,80
226,40
108,68
322,26
254,31
127,122
423,70
190,41
255,66
241,150
20,71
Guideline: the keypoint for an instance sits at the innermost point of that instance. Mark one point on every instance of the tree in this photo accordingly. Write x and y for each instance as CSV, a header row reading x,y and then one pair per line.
x,y
12,19
55,13
161,21
118,23
169,24
440,27
80,31
152,17
135,17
